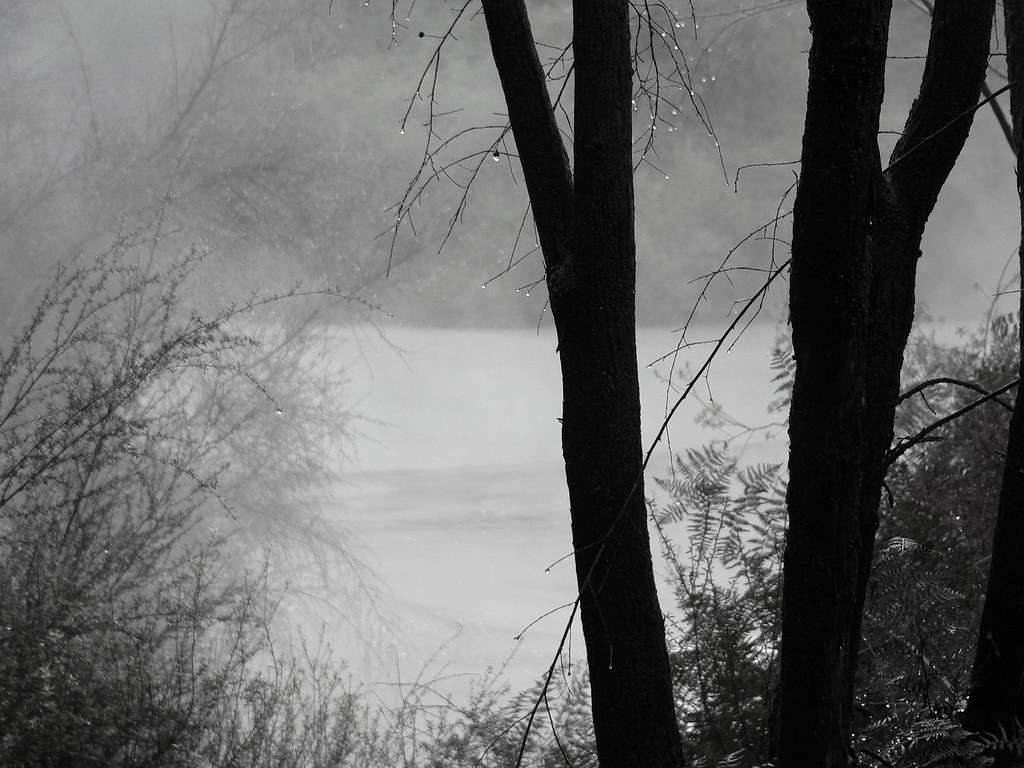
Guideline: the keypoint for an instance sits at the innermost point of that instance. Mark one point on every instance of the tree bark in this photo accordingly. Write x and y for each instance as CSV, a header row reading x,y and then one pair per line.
x,y
856,241
933,137
586,233
996,702
828,312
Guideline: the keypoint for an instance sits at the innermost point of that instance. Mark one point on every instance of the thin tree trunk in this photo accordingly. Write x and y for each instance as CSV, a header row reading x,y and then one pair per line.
x,y
586,232
634,715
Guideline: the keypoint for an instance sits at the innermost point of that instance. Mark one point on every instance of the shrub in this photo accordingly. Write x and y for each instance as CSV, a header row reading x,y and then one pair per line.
x,y
927,583
131,429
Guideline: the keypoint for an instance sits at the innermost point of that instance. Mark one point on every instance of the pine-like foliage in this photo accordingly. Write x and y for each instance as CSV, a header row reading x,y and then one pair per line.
x,y
724,641
926,589
941,743
931,564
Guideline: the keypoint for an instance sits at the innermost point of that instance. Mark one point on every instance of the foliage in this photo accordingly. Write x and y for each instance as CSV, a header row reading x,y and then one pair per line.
x,y
426,728
724,644
927,583
941,743
931,563
129,429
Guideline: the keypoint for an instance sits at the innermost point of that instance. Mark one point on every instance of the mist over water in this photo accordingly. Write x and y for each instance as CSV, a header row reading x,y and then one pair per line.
x,y
456,490
458,487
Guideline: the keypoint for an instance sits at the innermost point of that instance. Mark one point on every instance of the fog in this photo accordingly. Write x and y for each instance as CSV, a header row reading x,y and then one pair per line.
x,y
459,491
271,133
274,135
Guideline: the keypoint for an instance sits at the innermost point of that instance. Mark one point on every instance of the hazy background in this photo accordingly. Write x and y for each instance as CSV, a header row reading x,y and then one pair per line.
x,y
270,131
275,133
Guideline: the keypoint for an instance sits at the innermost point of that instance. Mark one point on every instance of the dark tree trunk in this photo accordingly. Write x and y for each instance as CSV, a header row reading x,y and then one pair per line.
x,y
933,136
856,242
829,309
634,715
996,703
586,232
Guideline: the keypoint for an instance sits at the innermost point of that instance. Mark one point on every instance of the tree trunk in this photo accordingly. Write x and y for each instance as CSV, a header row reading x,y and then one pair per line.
x,y
586,232
856,241
996,702
829,307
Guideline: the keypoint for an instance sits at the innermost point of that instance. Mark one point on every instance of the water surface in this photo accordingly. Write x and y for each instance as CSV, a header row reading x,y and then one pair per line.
x,y
457,491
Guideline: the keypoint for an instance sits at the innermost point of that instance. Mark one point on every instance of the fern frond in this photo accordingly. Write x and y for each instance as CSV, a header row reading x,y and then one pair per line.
x,y
943,743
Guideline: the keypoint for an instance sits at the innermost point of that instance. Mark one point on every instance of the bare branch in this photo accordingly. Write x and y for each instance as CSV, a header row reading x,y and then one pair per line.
x,y
946,380
905,444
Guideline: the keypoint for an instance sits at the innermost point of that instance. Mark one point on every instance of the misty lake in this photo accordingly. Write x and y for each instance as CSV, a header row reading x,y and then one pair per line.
x,y
456,493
